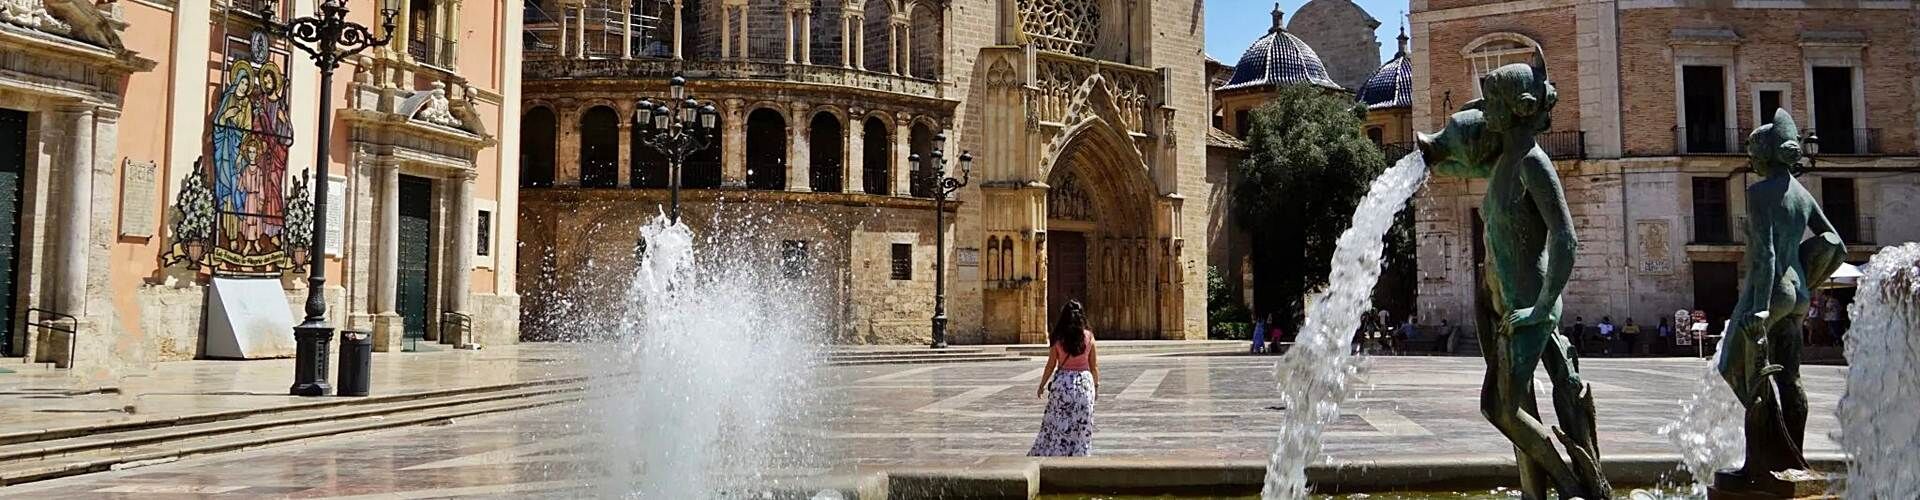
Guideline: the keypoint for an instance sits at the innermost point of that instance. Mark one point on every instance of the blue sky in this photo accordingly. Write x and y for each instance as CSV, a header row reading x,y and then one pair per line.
x,y
1234,24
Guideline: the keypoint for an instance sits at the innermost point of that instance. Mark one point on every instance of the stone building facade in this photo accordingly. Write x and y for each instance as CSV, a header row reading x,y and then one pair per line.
x,y
1084,119
132,132
1339,31
1656,99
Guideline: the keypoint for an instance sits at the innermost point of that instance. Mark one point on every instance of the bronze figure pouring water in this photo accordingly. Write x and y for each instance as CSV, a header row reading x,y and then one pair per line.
x,y
1530,241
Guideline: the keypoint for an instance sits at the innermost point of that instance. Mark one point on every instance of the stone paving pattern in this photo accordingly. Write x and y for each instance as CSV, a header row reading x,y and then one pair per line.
x,y
1203,408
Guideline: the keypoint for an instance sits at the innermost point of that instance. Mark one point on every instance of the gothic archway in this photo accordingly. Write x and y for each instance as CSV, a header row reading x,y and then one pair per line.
x,y
1102,241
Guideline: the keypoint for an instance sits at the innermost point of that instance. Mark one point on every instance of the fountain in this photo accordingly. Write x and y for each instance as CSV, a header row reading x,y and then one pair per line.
x,y
706,388
1709,434
1316,374
1880,412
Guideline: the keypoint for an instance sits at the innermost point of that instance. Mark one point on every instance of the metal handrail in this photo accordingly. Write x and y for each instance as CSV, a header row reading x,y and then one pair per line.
x,y
465,321
72,342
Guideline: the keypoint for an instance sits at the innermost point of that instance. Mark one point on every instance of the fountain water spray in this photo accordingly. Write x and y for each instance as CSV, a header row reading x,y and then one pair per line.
x,y
1880,413
1317,373
1711,429
712,359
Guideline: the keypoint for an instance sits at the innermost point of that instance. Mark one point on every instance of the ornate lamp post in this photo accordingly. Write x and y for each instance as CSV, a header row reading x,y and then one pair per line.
x,y
677,127
943,186
329,38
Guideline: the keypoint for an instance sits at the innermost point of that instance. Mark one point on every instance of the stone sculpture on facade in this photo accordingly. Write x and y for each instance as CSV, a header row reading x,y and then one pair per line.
x,y
1762,362
1530,248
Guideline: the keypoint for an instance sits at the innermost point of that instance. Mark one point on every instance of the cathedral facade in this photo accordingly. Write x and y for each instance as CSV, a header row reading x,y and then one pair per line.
x,y
1084,118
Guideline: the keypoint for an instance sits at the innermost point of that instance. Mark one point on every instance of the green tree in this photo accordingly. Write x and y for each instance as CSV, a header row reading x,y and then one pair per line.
x,y
1306,169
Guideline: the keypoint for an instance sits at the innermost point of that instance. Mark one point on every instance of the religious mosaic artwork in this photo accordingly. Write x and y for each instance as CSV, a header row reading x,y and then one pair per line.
x,y
1068,201
233,214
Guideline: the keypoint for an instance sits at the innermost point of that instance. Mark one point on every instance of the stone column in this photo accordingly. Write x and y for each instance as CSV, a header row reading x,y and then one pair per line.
x,y
566,155
799,151
788,39
906,49
806,36
745,50
855,140
624,171
679,26
580,34
846,40
902,147
452,18
733,145
893,47
859,46
460,282
74,220
626,36
388,328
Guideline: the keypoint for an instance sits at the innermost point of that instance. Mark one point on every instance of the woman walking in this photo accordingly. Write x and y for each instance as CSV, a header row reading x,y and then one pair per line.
x,y
1069,384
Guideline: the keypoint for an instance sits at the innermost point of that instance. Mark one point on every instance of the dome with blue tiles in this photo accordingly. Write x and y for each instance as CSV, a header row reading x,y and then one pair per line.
x,y
1392,85
1279,58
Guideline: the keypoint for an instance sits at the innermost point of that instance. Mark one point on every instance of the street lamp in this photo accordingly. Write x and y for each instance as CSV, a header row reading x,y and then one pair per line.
x,y
677,127
943,186
329,38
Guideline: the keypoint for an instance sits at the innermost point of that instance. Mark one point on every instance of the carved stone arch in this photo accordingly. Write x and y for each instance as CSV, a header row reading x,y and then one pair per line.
x,y
1499,36
624,110
886,117
831,109
1000,75
785,111
1093,112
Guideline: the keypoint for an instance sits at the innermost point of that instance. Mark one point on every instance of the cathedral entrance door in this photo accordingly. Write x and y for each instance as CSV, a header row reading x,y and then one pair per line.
x,y
416,244
1067,271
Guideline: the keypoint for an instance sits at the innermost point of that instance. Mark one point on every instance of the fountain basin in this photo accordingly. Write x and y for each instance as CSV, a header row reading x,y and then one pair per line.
x,y
1126,478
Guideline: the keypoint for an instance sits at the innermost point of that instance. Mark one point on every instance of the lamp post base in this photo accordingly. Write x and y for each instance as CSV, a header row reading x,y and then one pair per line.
x,y
310,359
939,332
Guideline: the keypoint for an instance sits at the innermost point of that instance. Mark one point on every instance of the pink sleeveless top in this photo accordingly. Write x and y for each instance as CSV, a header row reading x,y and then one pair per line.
x,y
1076,363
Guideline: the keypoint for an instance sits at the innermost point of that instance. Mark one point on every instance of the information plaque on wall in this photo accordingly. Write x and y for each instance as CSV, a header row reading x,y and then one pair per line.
x,y
137,214
336,214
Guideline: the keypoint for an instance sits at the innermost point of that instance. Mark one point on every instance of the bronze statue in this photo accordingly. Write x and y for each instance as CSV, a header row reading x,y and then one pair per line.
x,y
1762,362
1530,247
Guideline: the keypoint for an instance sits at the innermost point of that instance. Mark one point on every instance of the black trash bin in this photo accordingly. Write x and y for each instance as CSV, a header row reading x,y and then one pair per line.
x,y
356,362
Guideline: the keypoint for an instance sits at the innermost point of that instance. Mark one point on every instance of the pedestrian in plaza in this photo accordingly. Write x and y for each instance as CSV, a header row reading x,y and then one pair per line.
x,y
1832,312
1577,334
1666,336
1606,335
1631,334
1259,335
1069,384
1274,334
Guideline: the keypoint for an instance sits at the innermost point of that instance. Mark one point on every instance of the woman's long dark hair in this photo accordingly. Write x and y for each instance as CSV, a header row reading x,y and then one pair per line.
x,y
1069,332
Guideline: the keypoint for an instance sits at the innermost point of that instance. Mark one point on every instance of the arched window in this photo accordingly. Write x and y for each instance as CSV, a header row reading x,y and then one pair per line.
x,y
537,131
993,257
766,150
702,169
649,167
874,39
600,147
920,139
826,153
767,30
825,32
1376,135
1495,50
877,152
927,45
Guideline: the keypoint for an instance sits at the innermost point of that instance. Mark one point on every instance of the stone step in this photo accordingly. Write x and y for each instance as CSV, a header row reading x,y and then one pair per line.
x,y
915,355
883,353
916,360
153,435
198,443
7,441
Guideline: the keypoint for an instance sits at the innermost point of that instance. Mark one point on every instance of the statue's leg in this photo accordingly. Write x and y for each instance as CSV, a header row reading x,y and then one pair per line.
x,y
1506,410
1533,478
1787,340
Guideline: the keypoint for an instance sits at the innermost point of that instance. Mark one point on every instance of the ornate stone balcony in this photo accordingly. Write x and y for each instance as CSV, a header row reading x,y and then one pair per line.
x,y
555,68
1137,91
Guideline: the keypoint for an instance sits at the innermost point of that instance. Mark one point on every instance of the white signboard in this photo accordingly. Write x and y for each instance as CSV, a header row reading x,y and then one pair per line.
x,y
336,214
249,319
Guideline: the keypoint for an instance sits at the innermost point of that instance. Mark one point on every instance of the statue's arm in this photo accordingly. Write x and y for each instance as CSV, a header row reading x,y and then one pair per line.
x,y
1762,261
1820,265
1543,184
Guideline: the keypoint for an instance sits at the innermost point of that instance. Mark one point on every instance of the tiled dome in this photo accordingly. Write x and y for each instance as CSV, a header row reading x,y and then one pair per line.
x,y
1392,85
1279,58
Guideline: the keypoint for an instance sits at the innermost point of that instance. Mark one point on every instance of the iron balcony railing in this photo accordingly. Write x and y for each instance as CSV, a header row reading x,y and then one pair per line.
x,y
1848,141
1565,144
434,50
1712,141
1721,230
1856,230
1393,152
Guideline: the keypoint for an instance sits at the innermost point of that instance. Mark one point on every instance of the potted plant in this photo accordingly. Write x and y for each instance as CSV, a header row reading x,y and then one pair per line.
x,y
193,228
298,232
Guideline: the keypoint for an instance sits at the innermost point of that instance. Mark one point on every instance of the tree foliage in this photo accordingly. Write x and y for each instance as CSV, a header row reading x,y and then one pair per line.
x,y
1307,167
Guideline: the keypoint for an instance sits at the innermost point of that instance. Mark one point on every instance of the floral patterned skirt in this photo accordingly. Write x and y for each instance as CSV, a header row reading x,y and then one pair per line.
x,y
1068,428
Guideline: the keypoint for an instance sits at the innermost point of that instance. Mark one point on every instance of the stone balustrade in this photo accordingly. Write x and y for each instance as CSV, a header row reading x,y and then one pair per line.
x,y
556,68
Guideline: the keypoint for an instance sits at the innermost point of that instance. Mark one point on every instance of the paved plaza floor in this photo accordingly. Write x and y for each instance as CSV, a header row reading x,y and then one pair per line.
x,y
1202,408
